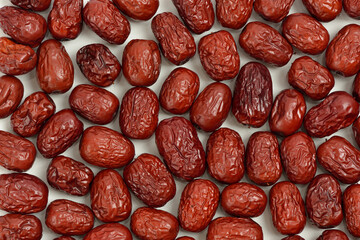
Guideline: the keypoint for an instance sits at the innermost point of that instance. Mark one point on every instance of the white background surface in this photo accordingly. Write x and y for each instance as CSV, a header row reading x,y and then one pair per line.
x,y
142,30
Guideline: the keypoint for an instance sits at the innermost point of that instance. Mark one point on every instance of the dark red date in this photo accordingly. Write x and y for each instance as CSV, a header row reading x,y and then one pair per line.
x,y
323,10
113,231
351,198
356,130
20,227
352,8
293,237
273,10
64,238
333,235
356,88
34,5
233,14
138,9
11,93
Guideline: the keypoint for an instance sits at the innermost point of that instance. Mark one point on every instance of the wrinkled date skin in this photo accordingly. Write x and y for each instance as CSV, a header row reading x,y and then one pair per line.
x,y
305,33
340,158
138,9
20,227
243,200
59,133
253,95
225,152
11,93
179,91
68,217
22,193
287,113
16,153
16,59
273,10
98,64
149,180
298,156
68,175
139,113
338,110
141,62
352,8
113,231
263,164
104,147
333,235
211,107
152,224
233,14
293,237
323,201
219,56
287,208
178,143
265,43
228,228
343,52
106,21
311,78
110,198
93,103
176,42
34,5
30,116
54,70
356,88
323,10
351,198
198,204
198,15
64,238
64,20
356,130
23,26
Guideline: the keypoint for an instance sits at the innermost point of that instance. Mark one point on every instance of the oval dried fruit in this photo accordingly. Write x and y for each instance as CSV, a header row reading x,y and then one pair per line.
x,y
113,231
20,227
138,9
233,14
351,198
11,93
273,10
323,10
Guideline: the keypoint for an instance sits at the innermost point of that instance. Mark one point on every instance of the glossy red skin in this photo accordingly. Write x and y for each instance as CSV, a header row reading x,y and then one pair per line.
x,y
198,15
22,193
228,228
23,26
31,115
141,62
263,164
298,156
198,203
179,90
323,201
138,9
219,56
54,70
64,20
287,113
60,132
98,64
340,158
149,180
356,130
16,153
113,231
243,200
253,95
225,152
110,198
70,176
338,110
104,147
16,59
333,235
64,238
287,208
265,43
352,8
351,198
273,11
69,218
185,238
343,54
106,21
20,227
305,33
179,145
323,10
311,78
176,42
356,88
211,107
139,113
293,237
233,14
11,93
34,5
93,103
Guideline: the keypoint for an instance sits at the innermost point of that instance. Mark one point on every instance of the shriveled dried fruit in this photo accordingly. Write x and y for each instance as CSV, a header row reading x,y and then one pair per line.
x,y
113,231
20,227
273,10
333,235
233,14
138,9
356,130
324,10
35,5
351,198
352,8
11,93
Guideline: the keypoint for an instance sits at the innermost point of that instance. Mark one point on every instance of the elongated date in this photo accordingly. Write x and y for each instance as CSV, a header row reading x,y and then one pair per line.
x,y
21,227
